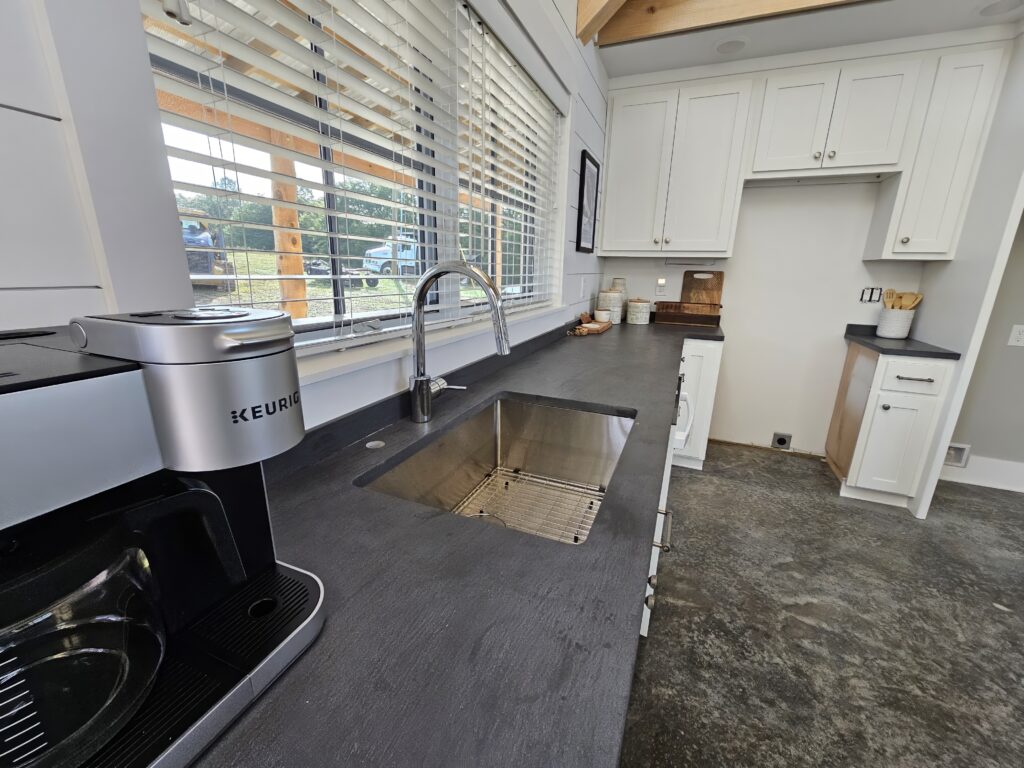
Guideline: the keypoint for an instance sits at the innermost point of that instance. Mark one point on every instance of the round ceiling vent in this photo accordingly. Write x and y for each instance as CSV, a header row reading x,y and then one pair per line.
x,y
730,47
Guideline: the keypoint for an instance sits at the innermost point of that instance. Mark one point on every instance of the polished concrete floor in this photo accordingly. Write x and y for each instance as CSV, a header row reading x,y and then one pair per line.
x,y
794,628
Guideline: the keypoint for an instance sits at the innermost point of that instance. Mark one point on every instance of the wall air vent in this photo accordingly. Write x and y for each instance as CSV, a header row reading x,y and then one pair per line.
x,y
957,455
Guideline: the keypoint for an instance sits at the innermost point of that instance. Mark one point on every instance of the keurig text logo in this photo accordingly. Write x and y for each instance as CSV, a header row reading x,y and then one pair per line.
x,y
258,411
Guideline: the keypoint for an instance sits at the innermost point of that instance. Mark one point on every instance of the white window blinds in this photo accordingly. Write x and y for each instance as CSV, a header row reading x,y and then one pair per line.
x,y
325,153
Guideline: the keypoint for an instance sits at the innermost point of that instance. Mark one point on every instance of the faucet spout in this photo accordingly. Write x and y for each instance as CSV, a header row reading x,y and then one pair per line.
x,y
422,387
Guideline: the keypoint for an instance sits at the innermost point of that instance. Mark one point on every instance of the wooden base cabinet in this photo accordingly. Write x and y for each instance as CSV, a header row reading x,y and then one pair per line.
x,y
698,381
884,419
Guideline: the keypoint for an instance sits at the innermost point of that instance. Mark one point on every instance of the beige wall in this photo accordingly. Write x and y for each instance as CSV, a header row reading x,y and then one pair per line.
x,y
992,419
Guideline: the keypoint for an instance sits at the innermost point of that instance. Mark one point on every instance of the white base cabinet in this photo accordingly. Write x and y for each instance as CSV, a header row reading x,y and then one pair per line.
x,y
662,538
698,381
885,417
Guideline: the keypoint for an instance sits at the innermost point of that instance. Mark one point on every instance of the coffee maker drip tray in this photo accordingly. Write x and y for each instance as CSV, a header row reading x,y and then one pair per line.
x,y
216,667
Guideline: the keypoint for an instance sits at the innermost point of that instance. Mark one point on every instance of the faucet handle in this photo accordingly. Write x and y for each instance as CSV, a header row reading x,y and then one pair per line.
x,y
454,386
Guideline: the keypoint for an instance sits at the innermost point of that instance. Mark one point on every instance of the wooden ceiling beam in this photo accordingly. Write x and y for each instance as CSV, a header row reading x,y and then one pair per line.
x,y
591,15
640,19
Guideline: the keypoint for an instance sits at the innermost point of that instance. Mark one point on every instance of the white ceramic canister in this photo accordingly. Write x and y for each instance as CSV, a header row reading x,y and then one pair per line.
x,y
602,315
619,284
639,312
894,323
613,301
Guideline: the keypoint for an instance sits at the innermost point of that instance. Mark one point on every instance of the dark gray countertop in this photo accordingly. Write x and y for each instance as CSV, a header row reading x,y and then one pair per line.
x,y
706,332
42,357
450,642
865,336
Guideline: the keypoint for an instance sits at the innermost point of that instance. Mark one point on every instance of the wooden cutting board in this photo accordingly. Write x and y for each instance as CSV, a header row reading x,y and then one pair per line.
x,y
703,287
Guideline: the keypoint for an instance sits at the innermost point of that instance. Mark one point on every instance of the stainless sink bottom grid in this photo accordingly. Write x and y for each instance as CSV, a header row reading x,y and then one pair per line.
x,y
533,464
555,509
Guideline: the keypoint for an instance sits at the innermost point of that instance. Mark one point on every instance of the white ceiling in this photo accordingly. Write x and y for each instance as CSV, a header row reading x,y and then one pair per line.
x,y
843,25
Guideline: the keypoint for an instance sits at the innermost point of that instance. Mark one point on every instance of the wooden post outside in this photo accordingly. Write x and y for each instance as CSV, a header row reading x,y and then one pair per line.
x,y
287,244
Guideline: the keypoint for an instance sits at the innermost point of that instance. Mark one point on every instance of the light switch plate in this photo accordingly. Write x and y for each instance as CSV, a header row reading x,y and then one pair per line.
x,y
1016,336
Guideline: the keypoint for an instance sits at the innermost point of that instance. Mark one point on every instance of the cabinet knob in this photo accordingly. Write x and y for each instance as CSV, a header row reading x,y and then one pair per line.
x,y
886,407
817,155
668,240
649,601
904,240
653,579
832,154
656,241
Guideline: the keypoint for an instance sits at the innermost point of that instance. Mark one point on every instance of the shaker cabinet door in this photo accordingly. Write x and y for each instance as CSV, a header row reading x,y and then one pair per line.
x,y
705,183
636,183
898,428
950,144
794,120
871,112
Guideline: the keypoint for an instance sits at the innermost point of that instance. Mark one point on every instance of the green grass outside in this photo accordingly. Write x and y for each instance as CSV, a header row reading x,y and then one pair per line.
x,y
388,294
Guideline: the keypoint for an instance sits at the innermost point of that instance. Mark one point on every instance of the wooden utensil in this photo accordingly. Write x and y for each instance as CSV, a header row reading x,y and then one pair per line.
x,y
889,297
916,299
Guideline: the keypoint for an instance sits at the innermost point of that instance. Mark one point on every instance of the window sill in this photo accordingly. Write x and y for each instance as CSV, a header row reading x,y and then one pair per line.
x,y
317,363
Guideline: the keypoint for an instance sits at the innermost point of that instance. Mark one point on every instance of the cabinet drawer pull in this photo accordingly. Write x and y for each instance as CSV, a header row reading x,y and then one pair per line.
x,y
665,545
886,407
929,380
653,580
649,601
904,240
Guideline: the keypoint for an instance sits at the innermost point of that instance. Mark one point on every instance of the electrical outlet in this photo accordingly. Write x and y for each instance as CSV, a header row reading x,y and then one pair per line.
x,y
782,441
583,286
1016,336
870,295
661,288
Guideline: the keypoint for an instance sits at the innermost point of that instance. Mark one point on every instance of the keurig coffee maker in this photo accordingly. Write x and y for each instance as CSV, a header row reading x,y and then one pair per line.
x,y
142,607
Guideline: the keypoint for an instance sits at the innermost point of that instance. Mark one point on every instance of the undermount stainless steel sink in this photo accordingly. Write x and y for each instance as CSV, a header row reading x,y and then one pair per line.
x,y
535,464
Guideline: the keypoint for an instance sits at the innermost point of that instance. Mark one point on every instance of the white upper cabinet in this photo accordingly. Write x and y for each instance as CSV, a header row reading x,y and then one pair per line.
x,y
705,180
915,122
674,169
832,118
870,116
794,120
950,145
636,184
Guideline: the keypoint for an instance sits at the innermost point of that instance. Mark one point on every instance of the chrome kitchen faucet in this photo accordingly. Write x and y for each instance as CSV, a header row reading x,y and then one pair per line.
x,y
423,388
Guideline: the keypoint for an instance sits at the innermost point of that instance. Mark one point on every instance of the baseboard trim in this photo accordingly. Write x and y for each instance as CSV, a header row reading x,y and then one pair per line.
x,y
989,473
878,497
687,462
